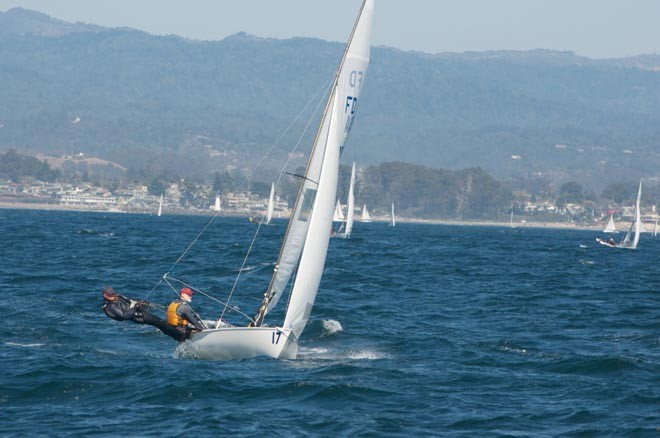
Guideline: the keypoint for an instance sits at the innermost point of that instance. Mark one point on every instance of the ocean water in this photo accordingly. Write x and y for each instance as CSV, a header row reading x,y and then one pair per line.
x,y
418,330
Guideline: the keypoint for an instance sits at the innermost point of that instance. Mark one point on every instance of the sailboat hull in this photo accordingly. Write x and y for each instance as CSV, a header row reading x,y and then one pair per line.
x,y
242,343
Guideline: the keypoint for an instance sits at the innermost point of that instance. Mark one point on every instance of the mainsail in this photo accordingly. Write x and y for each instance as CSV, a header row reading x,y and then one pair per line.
x,y
306,240
393,221
635,226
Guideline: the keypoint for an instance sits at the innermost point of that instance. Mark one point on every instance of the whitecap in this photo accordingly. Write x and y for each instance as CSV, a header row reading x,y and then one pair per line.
x,y
513,349
320,353
365,355
186,350
330,327
18,344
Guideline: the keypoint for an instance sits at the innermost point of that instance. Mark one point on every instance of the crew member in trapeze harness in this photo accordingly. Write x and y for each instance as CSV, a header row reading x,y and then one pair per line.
x,y
120,308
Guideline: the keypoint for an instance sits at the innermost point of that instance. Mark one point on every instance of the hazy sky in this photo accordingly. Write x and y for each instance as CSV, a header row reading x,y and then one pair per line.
x,y
594,28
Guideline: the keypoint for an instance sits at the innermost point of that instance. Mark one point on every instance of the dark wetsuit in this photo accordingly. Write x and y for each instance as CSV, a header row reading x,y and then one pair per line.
x,y
125,309
121,308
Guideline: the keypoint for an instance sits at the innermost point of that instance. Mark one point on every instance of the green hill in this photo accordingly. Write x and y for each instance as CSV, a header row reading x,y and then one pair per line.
x,y
192,107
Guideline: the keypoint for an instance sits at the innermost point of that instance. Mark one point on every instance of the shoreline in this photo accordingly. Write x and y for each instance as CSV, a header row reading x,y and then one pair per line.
x,y
451,222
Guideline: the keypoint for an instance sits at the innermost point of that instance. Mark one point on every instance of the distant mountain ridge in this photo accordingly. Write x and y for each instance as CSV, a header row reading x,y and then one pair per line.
x,y
193,107
26,22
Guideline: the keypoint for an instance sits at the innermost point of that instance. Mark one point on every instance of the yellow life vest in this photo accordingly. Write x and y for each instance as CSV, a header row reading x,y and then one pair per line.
x,y
173,318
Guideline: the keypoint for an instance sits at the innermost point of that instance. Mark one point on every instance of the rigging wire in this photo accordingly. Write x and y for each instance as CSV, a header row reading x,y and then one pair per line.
x,y
279,178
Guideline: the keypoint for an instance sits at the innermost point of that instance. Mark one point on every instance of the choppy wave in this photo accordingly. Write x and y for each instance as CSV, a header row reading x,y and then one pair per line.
x,y
29,345
421,330
92,232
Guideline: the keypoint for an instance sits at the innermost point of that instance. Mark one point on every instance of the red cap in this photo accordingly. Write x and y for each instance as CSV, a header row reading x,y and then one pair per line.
x,y
187,291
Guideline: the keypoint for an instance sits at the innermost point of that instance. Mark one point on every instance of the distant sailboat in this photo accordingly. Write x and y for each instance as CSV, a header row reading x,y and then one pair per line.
x,y
160,206
366,217
632,236
338,216
216,206
271,201
610,227
347,227
655,227
393,221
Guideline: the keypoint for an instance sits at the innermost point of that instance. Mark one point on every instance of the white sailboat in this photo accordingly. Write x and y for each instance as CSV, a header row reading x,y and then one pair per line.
x,y
610,227
338,216
631,239
346,227
306,240
393,218
366,217
271,201
216,206
655,227
160,206
350,205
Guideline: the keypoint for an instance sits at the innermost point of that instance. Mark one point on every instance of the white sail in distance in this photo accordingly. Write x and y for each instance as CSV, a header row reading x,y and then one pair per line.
x,y
610,227
366,217
338,216
350,203
636,225
271,201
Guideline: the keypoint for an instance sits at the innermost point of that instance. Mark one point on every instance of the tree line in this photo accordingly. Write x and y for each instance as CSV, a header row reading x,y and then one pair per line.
x,y
416,190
